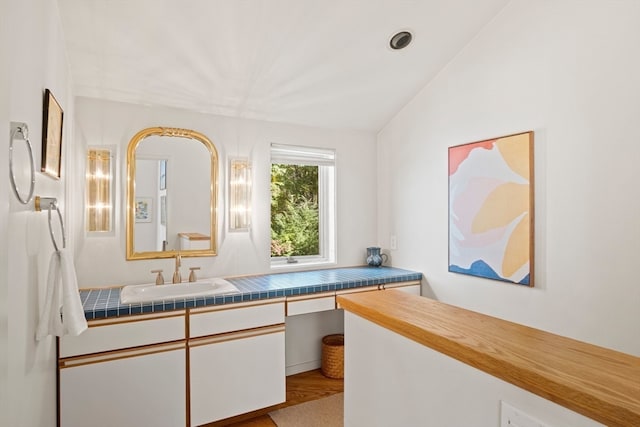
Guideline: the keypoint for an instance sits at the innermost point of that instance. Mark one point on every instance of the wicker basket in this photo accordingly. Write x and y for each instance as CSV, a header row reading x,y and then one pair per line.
x,y
333,356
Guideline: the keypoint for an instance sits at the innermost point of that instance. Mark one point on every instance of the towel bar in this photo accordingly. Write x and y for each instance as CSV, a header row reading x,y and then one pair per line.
x,y
22,129
52,203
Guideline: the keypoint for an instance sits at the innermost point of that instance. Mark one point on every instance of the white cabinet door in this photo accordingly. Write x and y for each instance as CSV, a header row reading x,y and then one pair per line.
x,y
231,374
140,387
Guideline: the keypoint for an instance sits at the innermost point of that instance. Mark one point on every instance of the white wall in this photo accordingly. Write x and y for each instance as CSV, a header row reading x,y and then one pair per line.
x,y
391,380
35,59
100,261
4,219
568,70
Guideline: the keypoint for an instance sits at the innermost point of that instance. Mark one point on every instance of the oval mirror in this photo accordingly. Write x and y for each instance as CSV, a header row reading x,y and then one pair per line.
x,y
171,194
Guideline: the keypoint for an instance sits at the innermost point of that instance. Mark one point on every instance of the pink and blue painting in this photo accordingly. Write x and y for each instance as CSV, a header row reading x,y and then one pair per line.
x,y
491,209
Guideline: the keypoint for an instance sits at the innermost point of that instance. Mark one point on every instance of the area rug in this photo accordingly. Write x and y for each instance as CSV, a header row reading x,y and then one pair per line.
x,y
325,412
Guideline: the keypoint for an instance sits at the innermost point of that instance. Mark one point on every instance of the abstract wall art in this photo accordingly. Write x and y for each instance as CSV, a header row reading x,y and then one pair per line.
x,y
491,211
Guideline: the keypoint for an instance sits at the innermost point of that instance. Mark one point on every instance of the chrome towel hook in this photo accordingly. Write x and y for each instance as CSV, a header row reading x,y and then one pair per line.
x,y
21,130
52,203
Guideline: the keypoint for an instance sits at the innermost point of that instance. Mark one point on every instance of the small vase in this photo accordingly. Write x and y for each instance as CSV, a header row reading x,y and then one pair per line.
x,y
375,258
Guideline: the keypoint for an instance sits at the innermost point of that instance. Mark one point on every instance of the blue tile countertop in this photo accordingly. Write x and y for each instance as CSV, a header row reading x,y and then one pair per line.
x,y
103,303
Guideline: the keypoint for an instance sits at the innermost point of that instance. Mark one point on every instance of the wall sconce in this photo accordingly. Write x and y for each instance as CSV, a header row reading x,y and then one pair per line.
x,y
99,200
239,194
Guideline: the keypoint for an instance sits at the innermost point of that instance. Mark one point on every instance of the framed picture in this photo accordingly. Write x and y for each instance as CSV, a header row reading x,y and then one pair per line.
x,y
491,209
51,136
163,174
144,209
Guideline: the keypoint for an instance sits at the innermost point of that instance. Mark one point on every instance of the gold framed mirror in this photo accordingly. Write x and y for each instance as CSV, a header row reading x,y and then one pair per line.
x,y
172,187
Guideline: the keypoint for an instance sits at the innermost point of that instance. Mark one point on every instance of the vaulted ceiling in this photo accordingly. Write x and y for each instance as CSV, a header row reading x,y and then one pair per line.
x,y
323,63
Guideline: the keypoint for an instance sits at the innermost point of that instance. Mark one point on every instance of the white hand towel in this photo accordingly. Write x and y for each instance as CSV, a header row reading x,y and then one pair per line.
x,y
62,292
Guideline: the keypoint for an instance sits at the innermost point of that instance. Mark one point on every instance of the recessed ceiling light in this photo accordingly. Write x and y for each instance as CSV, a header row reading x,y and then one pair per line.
x,y
400,40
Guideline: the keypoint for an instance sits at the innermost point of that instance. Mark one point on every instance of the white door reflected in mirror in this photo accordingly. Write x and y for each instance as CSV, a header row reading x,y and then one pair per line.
x,y
151,205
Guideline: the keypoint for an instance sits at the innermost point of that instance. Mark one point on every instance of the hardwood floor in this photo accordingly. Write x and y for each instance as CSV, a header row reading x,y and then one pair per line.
x,y
301,388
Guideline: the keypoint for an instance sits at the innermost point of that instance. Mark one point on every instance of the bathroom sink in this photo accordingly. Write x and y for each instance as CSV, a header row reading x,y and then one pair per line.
x,y
202,288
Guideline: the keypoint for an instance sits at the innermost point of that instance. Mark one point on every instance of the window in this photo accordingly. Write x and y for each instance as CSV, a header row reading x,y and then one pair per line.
x,y
302,205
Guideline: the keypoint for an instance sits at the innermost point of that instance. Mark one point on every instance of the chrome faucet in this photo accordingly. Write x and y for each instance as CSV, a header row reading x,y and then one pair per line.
x,y
177,278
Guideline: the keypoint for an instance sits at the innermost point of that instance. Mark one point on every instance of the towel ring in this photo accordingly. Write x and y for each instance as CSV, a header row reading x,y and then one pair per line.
x,y
22,129
52,202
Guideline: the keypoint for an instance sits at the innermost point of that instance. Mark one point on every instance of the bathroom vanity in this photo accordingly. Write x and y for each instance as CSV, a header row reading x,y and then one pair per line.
x,y
195,361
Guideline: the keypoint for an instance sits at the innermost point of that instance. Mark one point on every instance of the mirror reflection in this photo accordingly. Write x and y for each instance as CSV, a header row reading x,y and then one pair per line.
x,y
171,194
151,205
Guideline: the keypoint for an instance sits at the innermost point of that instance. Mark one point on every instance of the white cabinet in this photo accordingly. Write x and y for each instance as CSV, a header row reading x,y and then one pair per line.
x,y
140,387
236,373
125,371
162,369
241,366
186,367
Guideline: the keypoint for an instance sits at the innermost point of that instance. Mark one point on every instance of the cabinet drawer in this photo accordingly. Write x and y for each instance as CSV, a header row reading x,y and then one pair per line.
x,y
311,304
126,332
236,317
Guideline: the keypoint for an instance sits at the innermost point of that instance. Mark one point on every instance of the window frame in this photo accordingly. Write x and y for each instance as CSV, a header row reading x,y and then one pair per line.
x,y
325,159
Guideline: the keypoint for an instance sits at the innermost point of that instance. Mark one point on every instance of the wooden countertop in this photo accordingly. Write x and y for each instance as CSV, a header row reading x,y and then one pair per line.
x,y
596,382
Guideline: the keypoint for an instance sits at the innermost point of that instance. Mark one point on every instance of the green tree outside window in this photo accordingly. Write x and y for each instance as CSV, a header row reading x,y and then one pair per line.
x,y
295,229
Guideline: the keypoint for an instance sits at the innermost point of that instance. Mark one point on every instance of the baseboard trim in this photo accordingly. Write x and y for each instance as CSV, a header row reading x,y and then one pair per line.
x,y
303,367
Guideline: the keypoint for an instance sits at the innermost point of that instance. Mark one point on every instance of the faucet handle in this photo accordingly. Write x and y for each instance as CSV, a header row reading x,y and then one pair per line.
x,y
192,274
159,277
177,277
